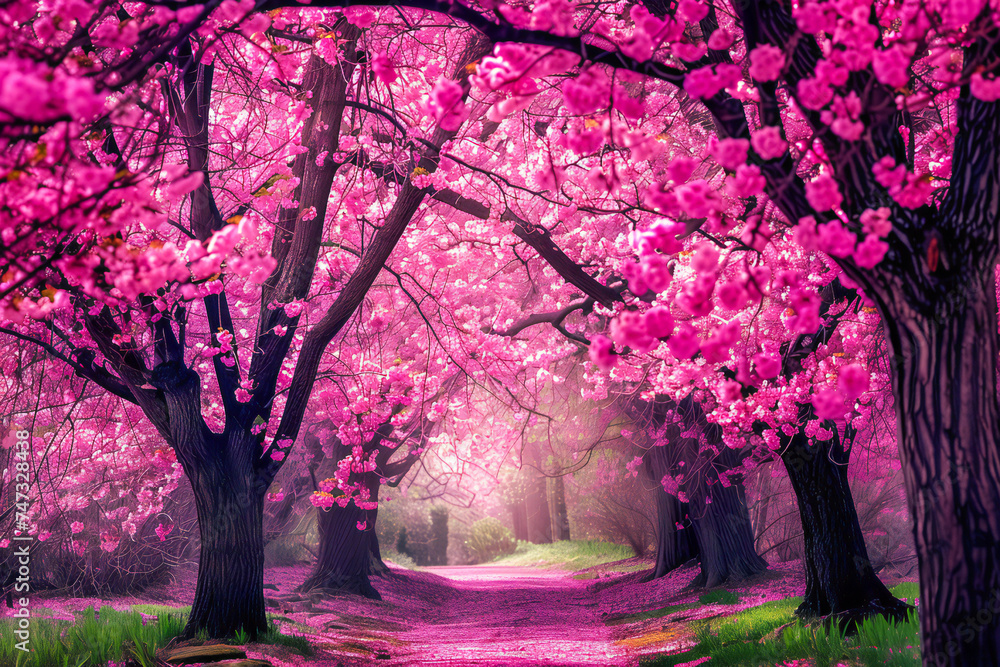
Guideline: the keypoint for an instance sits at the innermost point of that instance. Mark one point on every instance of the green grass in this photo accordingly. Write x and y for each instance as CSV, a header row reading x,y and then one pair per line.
x,y
399,559
749,639
721,596
92,640
908,590
566,555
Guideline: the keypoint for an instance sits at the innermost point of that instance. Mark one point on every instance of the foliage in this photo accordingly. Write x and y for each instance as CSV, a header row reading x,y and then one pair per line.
x,y
567,554
93,639
770,634
96,638
720,596
488,539
707,202
296,545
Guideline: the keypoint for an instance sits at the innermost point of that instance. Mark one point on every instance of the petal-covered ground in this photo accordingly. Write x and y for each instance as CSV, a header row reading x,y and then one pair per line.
x,y
486,614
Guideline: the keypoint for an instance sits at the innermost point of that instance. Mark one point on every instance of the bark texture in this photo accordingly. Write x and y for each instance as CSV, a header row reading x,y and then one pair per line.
x,y
840,581
716,527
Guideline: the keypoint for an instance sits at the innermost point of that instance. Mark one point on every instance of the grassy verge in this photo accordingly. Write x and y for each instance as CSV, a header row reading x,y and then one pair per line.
x,y
770,634
96,638
566,555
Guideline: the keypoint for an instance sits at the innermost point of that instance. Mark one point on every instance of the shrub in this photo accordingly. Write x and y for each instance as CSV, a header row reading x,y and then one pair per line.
x,y
488,539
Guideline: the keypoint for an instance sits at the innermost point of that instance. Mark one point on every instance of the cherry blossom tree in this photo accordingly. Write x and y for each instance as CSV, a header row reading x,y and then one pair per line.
x,y
782,144
870,130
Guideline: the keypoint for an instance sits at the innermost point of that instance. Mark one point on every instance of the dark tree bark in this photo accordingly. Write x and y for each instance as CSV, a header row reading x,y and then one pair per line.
x,y
722,528
716,532
674,547
229,596
944,385
560,515
840,580
347,556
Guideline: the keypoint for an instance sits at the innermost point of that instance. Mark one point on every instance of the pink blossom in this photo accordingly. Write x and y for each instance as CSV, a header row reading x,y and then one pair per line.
x,y
446,105
76,527
655,272
383,68
914,193
692,11
163,530
748,181
587,92
680,169
706,82
276,497
601,352
768,142
659,322
766,62
698,199
732,391
705,258
828,404
891,66
823,193
835,239
814,94
887,173
804,317
767,364
695,295
362,524
730,153
720,40
870,251
684,344
876,222
852,381
716,348
732,295
987,90
633,273
629,329
662,236
277,455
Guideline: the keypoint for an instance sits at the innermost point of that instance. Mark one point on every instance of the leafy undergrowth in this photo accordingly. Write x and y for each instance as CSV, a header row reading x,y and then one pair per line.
x,y
402,560
566,555
769,634
96,638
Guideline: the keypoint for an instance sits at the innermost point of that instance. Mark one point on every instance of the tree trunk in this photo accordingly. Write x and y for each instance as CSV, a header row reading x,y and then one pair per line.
x,y
944,385
674,546
519,518
722,529
347,555
718,532
560,516
763,504
537,504
230,592
840,581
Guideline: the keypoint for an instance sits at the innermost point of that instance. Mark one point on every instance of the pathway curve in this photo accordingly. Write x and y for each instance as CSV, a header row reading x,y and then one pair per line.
x,y
498,615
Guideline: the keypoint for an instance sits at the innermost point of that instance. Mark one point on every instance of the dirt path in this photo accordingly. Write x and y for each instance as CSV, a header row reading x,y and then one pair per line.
x,y
473,615
511,616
